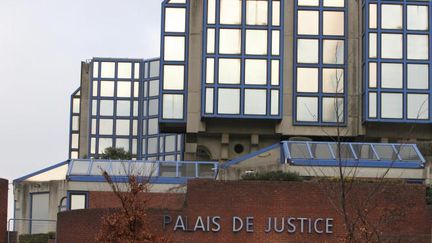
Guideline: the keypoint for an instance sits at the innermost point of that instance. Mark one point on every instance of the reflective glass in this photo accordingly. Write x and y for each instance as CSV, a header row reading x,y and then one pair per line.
x,y
418,106
274,102
333,52
333,108
230,11
334,22
122,127
211,35
276,13
334,3
373,19
391,105
308,2
211,11
170,144
75,141
152,147
391,16
228,101
418,76
124,89
418,47
154,88
256,42
307,79
106,108
307,22
210,70
256,71
172,106
229,41
124,70
108,69
174,48
372,105
373,45
307,51
391,75
123,108
104,143
173,78
153,107
122,143
153,126
372,74
256,12
391,46
209,100
105,126
75,123
95,69
154,69
307,109
229,71
107,88
333,80
255,101
275,72
418,17
275,42
175,19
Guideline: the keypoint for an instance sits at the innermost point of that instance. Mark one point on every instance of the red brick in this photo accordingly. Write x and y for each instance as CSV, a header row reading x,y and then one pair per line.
x,y
4,187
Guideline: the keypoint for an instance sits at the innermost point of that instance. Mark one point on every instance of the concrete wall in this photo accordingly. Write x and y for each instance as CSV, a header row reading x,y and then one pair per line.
x,y
4,188
85,110
270,199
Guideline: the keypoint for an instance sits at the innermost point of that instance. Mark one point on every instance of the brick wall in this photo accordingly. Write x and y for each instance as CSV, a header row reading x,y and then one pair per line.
x,y
262,200
3,209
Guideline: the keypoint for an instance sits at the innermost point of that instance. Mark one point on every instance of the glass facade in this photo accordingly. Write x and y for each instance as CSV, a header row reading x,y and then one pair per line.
x,y
396,37
125,110
320,62
74,134
242,65
174,56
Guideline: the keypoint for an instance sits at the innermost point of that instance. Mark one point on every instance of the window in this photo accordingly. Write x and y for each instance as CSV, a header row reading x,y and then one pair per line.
x,y
397,61
242,58
320,65
78,200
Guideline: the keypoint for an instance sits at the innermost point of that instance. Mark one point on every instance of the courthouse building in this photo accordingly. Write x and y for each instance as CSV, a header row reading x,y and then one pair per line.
x,y
244,86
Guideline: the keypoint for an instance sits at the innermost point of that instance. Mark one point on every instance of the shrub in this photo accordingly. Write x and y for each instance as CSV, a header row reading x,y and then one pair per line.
x,y
273,176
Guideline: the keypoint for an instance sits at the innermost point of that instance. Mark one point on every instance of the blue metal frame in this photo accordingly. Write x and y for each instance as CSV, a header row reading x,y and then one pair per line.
x,y
321,37
243,56
74,114
70,193
404,61
21,179
142,101
185,63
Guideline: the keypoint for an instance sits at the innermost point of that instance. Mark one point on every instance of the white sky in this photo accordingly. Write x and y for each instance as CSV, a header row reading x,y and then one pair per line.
x,y
42,43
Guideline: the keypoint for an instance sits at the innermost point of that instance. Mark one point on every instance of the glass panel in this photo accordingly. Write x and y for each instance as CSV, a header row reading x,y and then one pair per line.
x,y
206,171
229,71
276,13
333,52
123,108
321,151
256,12
153,126
299,150
154,88
170,144
275,42
307,80
308,2
137,70
152,147
107,88
124,89
418,106
386,152
154,69
75,141
307,22
187,169
80,168
307,109
228,101
391,16
342,152
373,45
391,75
210,71
105,126
95,69
174,48
307,51
211,11
153,107
211,35
106,108
333,108
274,102
95,88
167,169
274,72
75,123
104,143
76,105
136,89
173,78
124,70
334,23
373,20
108,69
334,3
209,100
98,168
122,143
123,127
418,76
407,153
391,46
256,72
391,105
230,11
364,151
256,42
255,102
175,20
418,17
418,47
229,41
40,209
333,80
372,105
172,106
119,168
372,75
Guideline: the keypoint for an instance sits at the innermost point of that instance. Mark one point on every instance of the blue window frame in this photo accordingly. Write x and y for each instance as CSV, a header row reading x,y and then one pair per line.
x,y
74,127
77,200
320,62
242,59
174,61
124,110
397,61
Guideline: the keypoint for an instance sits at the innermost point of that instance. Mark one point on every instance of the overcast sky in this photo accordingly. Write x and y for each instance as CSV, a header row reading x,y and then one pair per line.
x,y
42,43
